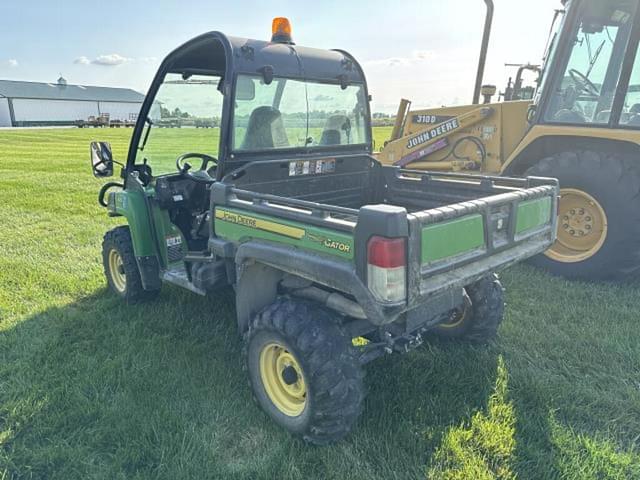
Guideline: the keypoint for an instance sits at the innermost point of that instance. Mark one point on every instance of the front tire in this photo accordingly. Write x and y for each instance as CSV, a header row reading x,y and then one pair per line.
x,y
480,315
599,215
304,371
121,268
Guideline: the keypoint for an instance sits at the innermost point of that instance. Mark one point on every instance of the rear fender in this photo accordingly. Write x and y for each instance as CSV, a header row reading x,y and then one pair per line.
x,y
260,266
545,140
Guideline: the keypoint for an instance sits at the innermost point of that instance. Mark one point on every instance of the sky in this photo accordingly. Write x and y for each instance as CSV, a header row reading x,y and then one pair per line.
x,y
423,50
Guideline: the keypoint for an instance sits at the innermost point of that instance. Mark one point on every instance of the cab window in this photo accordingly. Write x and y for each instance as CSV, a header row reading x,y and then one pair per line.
x,y
288,113
269,116
631,112
184,118
586,90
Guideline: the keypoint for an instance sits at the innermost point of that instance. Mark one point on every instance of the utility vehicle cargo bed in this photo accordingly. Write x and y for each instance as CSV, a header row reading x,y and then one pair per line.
x,y
458,227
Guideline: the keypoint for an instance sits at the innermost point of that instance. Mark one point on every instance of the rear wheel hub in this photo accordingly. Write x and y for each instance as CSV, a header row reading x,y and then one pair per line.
x,y
283,380
582,227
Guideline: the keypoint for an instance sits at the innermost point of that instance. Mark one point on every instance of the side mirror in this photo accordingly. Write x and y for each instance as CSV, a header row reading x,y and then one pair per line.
x,y
101,159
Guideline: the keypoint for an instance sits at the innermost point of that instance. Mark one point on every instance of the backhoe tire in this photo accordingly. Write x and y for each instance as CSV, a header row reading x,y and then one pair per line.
x,y
481,315
599,215
121,268
304,371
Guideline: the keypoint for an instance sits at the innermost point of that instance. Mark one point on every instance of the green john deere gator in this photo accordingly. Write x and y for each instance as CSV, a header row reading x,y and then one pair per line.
x,y
335,259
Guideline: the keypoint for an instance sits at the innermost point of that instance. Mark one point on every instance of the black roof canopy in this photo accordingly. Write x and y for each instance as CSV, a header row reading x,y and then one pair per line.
x,y
225,55
215,53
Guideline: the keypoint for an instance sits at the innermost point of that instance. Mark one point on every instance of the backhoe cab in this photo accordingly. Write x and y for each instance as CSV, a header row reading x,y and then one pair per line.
x,y
582,127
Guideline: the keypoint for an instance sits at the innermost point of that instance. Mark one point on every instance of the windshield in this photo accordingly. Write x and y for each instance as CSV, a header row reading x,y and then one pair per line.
x,y
591,70
185,117
290,113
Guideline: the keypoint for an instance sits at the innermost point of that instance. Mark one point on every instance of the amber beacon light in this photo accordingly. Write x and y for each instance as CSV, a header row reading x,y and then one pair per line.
x,y
281,30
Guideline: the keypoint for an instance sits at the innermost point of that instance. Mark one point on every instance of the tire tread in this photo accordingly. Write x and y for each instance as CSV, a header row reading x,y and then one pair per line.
x,y
120,238
331,365
618,185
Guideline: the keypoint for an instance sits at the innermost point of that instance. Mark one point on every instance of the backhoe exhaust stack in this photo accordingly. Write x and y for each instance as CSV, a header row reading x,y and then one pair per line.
x,y
483,51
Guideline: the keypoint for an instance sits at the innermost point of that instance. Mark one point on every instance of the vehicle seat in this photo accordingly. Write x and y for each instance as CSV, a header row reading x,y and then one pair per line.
x,y
569,116
337,131
265,130
603,116
634,116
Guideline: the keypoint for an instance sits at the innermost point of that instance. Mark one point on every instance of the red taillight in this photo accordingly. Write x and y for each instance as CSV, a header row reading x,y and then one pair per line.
x,y
386,269
387,252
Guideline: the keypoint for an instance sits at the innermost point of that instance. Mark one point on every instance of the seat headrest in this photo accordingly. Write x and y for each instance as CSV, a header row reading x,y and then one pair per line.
x,y
337,131
265,130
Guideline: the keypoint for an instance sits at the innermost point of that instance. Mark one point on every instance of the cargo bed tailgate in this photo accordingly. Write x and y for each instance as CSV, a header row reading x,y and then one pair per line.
x,y
455,245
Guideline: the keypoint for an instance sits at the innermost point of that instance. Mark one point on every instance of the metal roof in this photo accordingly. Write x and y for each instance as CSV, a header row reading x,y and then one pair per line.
x,y
55,91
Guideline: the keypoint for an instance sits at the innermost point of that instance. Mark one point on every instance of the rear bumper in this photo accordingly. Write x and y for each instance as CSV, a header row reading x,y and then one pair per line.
x,y
432,286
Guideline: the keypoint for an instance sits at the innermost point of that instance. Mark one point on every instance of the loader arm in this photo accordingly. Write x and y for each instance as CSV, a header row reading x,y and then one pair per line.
x,y
416,148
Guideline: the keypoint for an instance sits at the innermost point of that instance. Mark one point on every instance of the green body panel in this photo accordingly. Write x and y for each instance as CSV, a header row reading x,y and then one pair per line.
x,y
448,239
167,232
132,205
239,226
533,214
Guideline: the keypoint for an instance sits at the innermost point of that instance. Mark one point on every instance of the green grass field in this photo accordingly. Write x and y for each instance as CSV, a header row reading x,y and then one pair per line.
x,y
92,388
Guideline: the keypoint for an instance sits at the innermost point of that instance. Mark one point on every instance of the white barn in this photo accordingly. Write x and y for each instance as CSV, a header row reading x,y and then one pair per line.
x,y
24,104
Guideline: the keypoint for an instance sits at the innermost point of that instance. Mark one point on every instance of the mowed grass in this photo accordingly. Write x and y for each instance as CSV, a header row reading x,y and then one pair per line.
x,y
92,388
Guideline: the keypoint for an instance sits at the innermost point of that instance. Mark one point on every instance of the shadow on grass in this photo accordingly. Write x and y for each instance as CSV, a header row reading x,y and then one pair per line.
x,y
483,447
99,388
414,399
515,436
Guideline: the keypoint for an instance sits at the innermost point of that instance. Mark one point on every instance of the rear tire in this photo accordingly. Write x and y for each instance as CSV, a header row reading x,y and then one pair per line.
x,y
599,222
481,315
303,370
121,268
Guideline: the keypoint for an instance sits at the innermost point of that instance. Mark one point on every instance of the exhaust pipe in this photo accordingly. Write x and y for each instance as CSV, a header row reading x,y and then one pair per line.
x,y
483,51
334,301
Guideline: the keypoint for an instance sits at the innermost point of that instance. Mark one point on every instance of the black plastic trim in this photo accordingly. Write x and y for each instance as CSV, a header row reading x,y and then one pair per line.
x,y
321,269
149,268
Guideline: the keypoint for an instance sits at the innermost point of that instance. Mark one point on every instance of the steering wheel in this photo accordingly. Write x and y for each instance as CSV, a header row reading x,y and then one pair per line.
x,y
581,80
201,175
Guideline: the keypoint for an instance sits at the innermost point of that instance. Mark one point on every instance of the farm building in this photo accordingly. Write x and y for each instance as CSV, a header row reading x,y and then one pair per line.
x,y
24,104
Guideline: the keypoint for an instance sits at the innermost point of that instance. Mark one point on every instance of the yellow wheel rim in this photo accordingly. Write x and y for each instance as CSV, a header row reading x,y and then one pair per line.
x,y
459,315
582,227
283,379
116,270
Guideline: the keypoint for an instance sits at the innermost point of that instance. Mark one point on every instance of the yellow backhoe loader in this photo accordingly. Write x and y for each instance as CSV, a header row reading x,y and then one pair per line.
x,y
582,126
